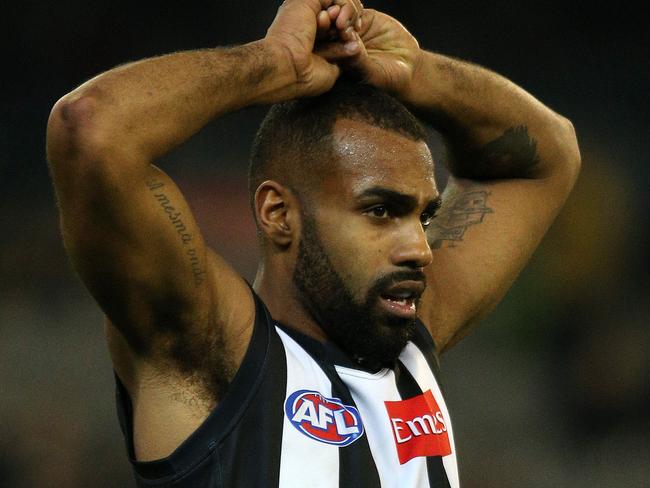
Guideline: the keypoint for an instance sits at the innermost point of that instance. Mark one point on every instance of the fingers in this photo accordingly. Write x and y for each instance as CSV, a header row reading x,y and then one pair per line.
x,y
347,17
355,5
335,52
334,12
324,24
338,39
343,17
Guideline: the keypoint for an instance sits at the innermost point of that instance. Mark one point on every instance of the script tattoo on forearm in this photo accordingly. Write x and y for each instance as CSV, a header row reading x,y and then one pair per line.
x,y
175,218
464,210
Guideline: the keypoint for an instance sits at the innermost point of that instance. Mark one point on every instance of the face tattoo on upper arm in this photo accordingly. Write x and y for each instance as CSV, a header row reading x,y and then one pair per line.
x,y
465,209
513,153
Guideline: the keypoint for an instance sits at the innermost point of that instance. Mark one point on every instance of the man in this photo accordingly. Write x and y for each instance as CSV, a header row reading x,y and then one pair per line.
x,y
323,373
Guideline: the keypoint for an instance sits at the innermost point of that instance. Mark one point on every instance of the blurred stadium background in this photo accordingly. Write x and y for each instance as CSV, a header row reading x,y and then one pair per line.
x,y
552,391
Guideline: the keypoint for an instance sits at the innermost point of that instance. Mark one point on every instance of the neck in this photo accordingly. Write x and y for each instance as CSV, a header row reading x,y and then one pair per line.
x,y
274,285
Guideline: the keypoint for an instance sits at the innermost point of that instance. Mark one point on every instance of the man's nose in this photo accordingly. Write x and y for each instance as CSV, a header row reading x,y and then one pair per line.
x,y
412,249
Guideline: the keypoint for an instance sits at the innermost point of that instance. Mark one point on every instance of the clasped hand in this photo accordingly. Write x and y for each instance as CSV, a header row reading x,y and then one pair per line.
x,y
327,37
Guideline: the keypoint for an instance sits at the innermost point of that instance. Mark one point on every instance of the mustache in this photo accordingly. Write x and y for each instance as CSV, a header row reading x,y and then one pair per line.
x,y
386,281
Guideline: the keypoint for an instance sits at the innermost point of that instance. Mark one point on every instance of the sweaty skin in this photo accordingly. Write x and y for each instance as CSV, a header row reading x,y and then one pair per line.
x,y
371,250
179,318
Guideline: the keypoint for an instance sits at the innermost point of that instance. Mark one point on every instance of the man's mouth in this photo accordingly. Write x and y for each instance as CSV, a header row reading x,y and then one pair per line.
x,y
401,298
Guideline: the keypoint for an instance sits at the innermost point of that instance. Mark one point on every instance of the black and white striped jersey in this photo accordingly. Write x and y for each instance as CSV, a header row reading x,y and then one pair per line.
x,y
301,414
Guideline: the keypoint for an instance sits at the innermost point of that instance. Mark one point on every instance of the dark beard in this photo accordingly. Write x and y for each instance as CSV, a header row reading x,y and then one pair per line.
x,y
372,339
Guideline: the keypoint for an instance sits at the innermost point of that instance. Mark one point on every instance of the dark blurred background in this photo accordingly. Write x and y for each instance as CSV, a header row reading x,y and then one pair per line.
x,y
552,391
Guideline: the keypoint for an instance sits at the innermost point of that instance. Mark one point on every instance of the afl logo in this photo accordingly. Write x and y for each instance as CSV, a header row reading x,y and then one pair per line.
x,y
324,419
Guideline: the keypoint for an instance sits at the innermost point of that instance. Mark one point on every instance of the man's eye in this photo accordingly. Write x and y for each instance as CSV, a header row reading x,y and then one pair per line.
x,y
426,219
379,211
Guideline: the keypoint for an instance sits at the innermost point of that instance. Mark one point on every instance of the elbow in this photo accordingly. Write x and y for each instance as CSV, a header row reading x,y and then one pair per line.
x,y
68,128
571,145
74,135
81,154
569,149
561,155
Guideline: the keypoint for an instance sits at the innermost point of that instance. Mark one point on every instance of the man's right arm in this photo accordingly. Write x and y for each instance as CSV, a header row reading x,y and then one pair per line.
x,y
171,303
126,226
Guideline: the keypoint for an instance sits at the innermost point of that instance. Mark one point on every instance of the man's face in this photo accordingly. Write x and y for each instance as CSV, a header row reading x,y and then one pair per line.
x,y
363,249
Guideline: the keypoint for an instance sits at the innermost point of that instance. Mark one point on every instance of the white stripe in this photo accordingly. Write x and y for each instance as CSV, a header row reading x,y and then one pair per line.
x,y
298,450
369,392
417,365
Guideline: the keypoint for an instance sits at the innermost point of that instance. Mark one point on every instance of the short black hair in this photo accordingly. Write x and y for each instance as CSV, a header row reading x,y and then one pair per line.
x,y
295,136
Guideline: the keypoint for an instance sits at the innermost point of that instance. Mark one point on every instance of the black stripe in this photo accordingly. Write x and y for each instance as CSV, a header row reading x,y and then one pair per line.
x,y
437,474
357,467
406,384
250,454
409,388
427,346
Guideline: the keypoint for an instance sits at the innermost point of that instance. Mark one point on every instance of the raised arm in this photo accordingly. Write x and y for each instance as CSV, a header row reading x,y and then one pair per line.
x,y
177,313
126,226
513,162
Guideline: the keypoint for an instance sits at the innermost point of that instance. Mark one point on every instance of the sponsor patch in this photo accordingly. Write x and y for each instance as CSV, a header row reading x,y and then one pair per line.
x,y
419,427
324,419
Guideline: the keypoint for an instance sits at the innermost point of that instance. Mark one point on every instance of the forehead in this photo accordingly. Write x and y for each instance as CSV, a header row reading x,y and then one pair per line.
x,y
366,156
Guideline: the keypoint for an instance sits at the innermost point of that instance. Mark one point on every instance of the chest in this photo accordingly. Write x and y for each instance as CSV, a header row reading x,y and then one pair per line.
x,y
398,416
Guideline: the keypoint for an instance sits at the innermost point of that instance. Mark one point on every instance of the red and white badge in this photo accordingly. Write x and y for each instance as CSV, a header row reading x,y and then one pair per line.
x,y
419,427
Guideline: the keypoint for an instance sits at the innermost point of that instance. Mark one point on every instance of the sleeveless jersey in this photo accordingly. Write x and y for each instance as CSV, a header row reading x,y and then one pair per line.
x,y
299,413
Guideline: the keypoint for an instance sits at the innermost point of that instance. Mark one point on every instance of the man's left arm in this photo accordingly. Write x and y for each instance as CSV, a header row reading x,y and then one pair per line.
x,y
512,160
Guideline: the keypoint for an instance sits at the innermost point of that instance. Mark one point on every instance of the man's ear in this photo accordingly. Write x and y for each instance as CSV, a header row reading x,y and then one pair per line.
x,y
276,211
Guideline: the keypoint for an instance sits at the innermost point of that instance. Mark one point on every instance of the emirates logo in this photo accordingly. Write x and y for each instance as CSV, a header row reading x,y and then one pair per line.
x,y
419,427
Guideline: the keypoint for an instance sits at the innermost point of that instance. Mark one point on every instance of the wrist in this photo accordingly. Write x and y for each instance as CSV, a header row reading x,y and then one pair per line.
x,y
412,93
279,80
